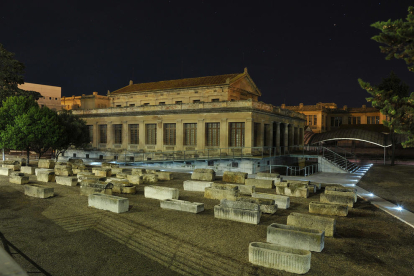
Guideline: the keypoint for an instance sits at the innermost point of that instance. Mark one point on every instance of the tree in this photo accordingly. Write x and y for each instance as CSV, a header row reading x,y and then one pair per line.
x,y
75,132
34,129
11,75
392,97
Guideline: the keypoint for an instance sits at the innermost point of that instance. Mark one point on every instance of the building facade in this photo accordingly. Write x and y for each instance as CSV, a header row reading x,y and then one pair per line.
x,y
324,117
208,113
51,95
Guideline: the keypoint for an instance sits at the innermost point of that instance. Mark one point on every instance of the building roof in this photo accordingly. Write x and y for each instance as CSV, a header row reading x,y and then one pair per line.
x,y
377,138
180,83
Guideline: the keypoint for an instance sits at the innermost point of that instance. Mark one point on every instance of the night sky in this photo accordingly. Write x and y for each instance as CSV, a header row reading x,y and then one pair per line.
x,y
295,51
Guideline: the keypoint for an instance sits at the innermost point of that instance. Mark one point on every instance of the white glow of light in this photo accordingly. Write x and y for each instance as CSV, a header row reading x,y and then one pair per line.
x,y
371,194
399,208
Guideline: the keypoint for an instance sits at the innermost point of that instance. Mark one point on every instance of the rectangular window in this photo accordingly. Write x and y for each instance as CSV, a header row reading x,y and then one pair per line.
x,y
256,132
161,103
169,134
190,134
102,134
151,134
215,100
196,101
236,134
336,121
118,105
213,134
315,120
368,120
131,104
134,134
118,134
178,102
377,120
90,130
145,104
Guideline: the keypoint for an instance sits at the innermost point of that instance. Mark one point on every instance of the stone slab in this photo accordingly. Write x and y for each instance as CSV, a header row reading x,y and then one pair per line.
x,y
259,183
218,192
342,193
337,199
138,171
93,186
280,257
313,222
135,179
267,206
162,193
234,177
239,215
204,174
164,175
292,191
282,202
196,186
13,167
103,172
5,171
27,170
46,176
67,180
296,237
37,170
149,178
110,203
181,205
46,164
38,191
18,178
328,209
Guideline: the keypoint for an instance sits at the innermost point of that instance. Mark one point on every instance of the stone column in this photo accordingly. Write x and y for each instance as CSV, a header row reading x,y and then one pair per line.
x,y
248,136
125,138
160,136
278,150
179,135
270,144
95,142
201,135
301,137
141,135
262,134
109,135
224,138
286,139
292,136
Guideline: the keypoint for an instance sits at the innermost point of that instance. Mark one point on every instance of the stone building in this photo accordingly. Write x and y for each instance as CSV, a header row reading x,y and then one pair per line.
x,y
324,117
50,94
85,102
217,114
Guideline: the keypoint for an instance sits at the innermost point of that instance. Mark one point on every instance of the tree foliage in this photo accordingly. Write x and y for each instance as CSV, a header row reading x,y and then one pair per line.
x,y
11,75
398,35
75,132
26,126
393,98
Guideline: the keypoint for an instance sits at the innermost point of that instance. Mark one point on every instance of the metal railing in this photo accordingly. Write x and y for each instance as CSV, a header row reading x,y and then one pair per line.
x,y
297,170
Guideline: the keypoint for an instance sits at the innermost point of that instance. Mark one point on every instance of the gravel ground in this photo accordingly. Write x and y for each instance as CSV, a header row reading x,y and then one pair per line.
x,y
65,237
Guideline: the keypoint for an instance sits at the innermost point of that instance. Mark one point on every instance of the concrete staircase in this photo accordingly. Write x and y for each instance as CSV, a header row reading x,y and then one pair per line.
x,y
339,161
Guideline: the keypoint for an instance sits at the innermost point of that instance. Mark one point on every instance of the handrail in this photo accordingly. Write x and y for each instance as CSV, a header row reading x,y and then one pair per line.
x,y
308,170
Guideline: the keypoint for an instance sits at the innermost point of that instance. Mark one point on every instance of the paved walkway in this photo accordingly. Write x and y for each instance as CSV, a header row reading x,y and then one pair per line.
x,y
351,180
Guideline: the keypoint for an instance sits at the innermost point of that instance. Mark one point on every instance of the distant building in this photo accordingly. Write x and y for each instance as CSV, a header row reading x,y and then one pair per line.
x,y
214,113
327,116
50,94
93,101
